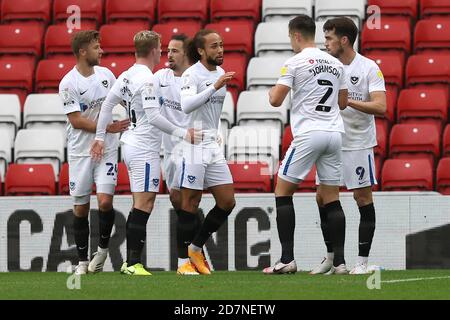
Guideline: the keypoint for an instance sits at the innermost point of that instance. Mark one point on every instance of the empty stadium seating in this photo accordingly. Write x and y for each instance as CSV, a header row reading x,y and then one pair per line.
x,y
118,64
286,140
29,179
406,8
63,183
263,72
182,9
91,11
393,34
275,10
5,153
432,35
392,66
434,8
428,69
50,72
118,11
423,105
250,177
39,146
446,142
58,41
16,77
253,108
21,39
415,141
236,9
271,38
10,116
228,110
407,175
236,63
26,10
381,149
118,38
443,176
325,9
123,181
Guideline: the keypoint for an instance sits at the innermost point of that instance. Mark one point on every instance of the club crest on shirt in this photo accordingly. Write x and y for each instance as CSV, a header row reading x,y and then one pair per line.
x,y
72,185
105,83
354,80
155,182
191,179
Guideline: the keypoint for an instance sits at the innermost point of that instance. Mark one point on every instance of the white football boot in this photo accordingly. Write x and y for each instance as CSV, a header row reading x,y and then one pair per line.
x,y
281,268
339,270
360,268
98,260
323,267
81,268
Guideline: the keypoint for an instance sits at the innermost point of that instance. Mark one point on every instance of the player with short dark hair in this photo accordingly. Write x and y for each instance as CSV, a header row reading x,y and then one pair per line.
x,y
367,97
319,90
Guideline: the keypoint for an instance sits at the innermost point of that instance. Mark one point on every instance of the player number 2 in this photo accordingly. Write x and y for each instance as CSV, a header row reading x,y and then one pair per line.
x,y
321,106
112,169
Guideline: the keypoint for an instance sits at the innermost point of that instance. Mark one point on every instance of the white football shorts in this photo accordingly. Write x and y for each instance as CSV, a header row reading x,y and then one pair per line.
x,y
322,148
143,168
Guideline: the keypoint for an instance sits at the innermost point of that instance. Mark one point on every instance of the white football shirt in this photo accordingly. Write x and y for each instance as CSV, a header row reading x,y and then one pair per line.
x,y
85,94
168,88
135,87
195,80
315,78
363,76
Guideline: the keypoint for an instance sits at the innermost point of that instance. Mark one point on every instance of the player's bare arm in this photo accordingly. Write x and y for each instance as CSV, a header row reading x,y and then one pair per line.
x,y
82,123
343,99
376,105
277,94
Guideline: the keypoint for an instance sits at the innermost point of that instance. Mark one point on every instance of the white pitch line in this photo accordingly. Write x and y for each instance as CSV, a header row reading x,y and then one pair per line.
x,y
414,279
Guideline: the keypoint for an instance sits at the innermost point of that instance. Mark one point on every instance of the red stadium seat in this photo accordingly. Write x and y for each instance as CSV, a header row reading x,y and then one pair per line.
x,y
16,76
167,30
237,35
63,185
415,141
391,105
430,69
423,106
381,149
183,9
29,179
432,8
407,175
394,7
91,10
309,184
22,10
125,11
58,41
393,34
378,166
118,64
446,142
123,181
1,186
49,73
432,35
232,9
250,177
237,63
443,176
118,39
391,64
21,39
286,141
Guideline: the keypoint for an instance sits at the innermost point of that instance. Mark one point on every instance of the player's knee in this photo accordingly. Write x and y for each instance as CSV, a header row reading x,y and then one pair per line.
x,y
175,200
105,204
228,205
319,199
363,199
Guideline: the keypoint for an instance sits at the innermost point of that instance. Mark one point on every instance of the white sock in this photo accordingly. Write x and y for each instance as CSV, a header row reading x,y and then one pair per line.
x,y
101,250
362,260
182,261
195,248
330,255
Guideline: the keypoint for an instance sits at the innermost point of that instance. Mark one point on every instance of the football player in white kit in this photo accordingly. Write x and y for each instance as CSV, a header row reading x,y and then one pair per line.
x,y
204,165
167,83
83,89
319,91
366,98
141,142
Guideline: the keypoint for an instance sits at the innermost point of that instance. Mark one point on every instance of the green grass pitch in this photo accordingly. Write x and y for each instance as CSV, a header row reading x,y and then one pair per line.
x,y
248,285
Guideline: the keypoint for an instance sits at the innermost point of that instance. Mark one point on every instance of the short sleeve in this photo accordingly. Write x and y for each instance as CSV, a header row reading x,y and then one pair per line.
x,y
376,79
69,98
287,75
149,93
342,80
188,84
